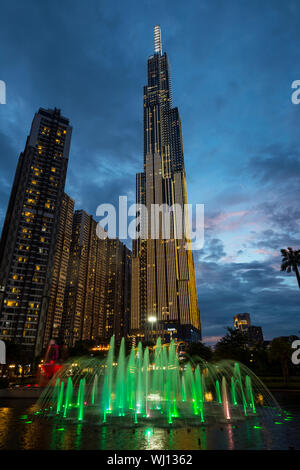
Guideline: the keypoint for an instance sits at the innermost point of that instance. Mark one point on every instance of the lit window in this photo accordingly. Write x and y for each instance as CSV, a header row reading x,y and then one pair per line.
x,y
12,303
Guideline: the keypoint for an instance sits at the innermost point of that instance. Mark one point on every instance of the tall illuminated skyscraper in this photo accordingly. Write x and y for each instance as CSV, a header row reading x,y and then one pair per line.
x,y
164,295
31,231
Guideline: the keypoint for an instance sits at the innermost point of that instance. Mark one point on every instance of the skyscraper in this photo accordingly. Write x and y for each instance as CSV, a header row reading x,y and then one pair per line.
x,y
84,296
117,289
54,318
164,296
97,297
30,231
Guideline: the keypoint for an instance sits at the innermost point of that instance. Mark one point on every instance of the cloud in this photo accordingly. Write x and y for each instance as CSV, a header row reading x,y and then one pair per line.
x,y
259,288
226,221
213,250
211,340
240,131
276,164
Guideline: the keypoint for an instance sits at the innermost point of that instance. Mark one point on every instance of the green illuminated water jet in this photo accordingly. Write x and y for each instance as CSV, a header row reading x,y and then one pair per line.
x,y
69,396
60,397
250,393
218,392
95,389
80,401
233,393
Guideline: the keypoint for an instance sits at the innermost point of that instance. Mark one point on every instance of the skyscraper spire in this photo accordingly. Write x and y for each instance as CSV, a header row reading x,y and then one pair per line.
x,y
157,40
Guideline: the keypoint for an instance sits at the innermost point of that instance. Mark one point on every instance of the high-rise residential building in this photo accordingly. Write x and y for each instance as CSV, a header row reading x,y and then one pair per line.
x,y
30,231
164,295
97,297
53,324
82,306
117,289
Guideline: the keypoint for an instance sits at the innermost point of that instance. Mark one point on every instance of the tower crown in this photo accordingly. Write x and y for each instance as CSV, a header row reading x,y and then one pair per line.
x,y
157,40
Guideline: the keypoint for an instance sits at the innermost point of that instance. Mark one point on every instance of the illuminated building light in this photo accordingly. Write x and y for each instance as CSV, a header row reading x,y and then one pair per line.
x,y
208,396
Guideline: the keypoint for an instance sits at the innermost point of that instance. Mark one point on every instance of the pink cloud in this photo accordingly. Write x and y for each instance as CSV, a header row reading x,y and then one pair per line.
x,y
262,251
227,220
211,339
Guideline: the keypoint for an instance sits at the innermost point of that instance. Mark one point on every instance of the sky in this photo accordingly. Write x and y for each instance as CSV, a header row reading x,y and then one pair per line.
x,y
232,66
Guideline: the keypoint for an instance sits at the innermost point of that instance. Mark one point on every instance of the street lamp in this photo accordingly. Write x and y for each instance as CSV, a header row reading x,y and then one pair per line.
x,y
152,320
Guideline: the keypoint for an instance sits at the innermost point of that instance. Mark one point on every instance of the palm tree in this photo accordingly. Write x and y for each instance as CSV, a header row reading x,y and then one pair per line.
x,y
291,261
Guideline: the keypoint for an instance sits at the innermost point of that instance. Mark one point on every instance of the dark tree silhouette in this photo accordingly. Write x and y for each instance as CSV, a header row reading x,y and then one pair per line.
x,y
198,351
291,261
234,345
281,351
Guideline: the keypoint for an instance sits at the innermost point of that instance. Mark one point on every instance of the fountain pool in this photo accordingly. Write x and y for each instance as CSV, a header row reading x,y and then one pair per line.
x,y
153,387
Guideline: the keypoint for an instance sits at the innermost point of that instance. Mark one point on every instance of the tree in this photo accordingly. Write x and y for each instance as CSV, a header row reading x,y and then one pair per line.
x,y
233,346
281,351
199,351
291,261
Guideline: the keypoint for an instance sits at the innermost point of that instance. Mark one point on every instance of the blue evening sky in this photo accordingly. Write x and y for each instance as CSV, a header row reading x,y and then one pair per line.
x,y
232,65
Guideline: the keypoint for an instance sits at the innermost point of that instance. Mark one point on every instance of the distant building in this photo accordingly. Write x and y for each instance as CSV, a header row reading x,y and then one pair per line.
x,y
242,322
30,231
255,334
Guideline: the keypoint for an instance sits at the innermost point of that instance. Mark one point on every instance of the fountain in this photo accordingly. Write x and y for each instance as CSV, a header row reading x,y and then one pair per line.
x,y
153,386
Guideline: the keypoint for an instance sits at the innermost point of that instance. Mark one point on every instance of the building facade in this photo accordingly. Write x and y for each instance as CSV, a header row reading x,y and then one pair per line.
x,y
30,231
54,318
97,296
164,295
242,322
117,289
83,305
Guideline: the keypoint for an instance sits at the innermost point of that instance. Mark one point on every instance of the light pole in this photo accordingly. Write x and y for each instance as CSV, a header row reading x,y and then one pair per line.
x,y
152,319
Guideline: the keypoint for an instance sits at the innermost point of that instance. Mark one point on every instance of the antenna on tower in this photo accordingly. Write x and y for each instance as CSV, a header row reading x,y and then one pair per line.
x,y
157,40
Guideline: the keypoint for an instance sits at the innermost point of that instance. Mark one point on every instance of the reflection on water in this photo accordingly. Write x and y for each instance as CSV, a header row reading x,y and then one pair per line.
x,y
230,437
6,419
19,431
